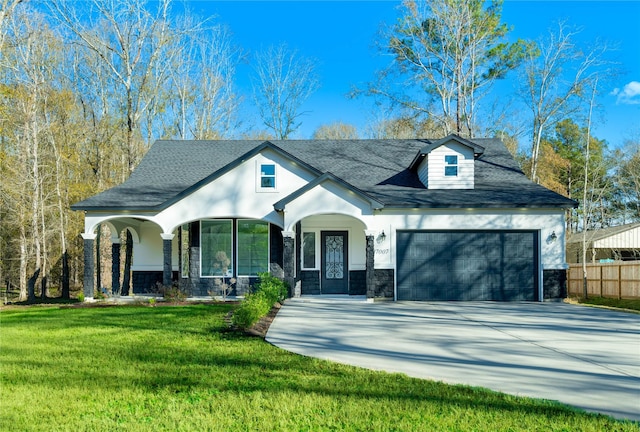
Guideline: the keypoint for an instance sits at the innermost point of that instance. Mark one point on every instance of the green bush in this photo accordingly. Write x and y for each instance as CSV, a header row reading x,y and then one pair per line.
x,y
275,289
254,307
269,291
172,294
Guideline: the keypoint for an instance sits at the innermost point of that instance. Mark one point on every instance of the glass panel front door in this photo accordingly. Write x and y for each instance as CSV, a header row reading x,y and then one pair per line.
x,y
335,268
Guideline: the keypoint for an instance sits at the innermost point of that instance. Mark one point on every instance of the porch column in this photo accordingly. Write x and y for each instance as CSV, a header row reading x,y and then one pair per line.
x,y
115,266
89,265
167,240
370,272
288,260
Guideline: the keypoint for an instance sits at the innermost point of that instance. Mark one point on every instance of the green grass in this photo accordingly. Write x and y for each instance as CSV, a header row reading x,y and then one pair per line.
x,y
177,369
627,304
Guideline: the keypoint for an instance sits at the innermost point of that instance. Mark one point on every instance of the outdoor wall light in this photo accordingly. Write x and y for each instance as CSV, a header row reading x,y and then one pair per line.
x,y
553,237
381,237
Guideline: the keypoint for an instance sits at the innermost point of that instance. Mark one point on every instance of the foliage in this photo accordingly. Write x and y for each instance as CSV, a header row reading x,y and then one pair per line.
x,y
629,304
172,293
336,130
275,289
177,369
253,307
449,53
85,87
269,291
556,78
626,201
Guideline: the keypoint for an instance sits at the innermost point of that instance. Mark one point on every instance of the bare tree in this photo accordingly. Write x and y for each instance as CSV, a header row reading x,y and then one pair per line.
x,y
446,56
7,8
129,37
201,68
336,131
556,76
283,81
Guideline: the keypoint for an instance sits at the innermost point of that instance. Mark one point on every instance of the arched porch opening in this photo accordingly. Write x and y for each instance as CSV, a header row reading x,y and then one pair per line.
x,y
127,255
330,254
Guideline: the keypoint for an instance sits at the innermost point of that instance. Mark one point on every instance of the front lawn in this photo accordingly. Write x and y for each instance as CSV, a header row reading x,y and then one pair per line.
x,y
131,368
627,304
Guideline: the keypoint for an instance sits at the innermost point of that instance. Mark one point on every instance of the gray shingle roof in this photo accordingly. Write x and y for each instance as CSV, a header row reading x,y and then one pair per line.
x,y
378,168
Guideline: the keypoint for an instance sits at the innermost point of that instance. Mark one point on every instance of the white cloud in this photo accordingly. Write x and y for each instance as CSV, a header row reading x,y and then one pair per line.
x,y
629,95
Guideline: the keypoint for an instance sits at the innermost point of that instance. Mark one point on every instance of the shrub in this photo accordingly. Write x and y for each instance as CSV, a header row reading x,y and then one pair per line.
x,y
81,297
275,289
172,294
254,307
269,291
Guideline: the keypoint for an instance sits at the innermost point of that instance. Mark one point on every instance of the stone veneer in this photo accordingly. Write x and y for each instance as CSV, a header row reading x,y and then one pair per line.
x,y
554,284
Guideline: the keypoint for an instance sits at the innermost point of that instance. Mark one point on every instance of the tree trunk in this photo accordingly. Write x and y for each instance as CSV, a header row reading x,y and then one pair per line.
x,y
126,279
65,275
23,264
31,285
43,288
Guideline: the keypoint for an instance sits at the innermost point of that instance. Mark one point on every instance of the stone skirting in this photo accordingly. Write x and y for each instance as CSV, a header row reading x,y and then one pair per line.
x,y
554,284
145,282
384,280
310,282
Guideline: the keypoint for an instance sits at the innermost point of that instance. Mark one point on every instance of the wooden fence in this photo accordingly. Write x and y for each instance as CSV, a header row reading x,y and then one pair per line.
x,y
619,280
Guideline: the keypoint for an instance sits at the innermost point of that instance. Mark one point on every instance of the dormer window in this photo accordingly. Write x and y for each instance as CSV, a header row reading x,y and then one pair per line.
x,y
451,166
267,176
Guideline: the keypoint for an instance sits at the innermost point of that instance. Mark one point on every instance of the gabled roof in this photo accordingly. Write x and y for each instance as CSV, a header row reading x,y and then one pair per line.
x,y
432,145
377,168
280,205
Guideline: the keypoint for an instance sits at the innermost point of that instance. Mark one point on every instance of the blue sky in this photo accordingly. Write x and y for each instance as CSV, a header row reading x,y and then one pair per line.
x,y
341,36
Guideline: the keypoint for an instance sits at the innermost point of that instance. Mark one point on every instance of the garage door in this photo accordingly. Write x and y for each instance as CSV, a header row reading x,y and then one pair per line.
x,y
467,265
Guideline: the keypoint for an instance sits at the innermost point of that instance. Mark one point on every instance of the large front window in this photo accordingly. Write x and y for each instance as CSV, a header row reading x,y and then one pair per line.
x,y
218,254
216,246
253,247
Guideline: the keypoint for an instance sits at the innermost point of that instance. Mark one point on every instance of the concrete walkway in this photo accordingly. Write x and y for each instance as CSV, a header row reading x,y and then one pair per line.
x,y
582,356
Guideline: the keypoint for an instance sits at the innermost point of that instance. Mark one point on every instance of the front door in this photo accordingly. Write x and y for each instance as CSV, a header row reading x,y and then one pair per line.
x,y
335,268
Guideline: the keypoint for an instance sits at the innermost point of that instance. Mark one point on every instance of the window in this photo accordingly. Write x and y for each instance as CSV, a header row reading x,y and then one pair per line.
x,y
309,250
216,239
267,176
451,166
253,247
184,250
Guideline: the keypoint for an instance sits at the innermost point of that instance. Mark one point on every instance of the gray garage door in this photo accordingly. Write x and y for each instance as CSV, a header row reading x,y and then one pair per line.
x,y
467,265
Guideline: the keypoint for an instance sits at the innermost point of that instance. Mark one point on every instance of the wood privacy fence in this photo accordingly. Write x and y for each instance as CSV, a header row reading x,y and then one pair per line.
x,y
619,280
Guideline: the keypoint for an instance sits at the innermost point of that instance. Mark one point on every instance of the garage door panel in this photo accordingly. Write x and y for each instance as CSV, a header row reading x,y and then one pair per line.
x,y
467,265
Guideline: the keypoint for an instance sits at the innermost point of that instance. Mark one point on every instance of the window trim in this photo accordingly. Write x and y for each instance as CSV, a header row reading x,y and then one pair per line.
x,y
260,176
451,165
315,250
237,247
233,270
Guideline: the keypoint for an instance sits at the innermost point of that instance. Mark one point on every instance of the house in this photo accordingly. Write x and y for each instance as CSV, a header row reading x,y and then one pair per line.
x,y
620,243
412,219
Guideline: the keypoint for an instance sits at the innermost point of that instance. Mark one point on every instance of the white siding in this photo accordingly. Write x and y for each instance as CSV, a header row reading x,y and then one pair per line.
x,y
435,167
625,240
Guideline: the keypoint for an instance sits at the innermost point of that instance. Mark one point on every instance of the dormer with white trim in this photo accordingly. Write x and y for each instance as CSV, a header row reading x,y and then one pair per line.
x,y
448,163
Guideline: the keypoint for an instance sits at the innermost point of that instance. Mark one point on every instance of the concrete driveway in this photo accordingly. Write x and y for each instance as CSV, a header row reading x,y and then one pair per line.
x,y
582,356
